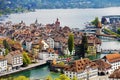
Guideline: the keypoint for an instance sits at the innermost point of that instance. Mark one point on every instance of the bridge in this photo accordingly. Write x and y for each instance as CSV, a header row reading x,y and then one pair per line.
x,y
106,36
110,50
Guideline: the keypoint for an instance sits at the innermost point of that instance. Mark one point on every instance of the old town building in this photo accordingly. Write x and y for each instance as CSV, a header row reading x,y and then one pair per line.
x,y
82,69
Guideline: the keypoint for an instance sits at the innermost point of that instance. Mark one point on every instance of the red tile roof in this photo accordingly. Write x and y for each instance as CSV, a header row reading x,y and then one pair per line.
x,y
102,65
14,53
81,65
113,57
2,57
115,74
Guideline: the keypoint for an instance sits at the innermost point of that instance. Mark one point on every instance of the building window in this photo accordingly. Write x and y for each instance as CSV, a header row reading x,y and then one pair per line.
x,y
70,76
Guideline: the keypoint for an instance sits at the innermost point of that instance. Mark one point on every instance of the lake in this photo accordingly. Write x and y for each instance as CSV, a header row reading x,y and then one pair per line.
x,y
74,18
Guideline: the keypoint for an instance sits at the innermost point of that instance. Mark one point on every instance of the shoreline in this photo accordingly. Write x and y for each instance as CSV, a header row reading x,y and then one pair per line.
x,y
41,62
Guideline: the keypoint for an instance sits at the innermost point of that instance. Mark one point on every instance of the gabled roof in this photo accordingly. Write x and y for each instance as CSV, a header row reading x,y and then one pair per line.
x,y
15,53
81,65
102,65
115,74
113,57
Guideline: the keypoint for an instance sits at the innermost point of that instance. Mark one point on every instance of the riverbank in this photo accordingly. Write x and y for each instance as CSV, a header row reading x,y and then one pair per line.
x,y
40,62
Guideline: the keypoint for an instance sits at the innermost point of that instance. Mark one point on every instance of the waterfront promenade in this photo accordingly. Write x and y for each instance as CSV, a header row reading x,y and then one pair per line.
x,y
40,62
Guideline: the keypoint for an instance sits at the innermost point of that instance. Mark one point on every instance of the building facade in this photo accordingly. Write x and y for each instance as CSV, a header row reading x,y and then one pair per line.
x,y
50,42
113,60
103,67
3,64
82,69
15,59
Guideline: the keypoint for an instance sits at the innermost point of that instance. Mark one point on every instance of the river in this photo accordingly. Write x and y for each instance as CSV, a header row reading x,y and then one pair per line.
x,y
74,18
40,72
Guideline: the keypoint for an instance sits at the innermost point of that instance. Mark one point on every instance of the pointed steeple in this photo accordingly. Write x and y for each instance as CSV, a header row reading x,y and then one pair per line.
x,y
99,25
57,23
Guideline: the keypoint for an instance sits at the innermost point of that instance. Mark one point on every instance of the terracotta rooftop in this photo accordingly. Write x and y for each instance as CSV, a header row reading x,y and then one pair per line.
x,y
81,65
113,57
102,65
2,58
14,53
115,74
92,39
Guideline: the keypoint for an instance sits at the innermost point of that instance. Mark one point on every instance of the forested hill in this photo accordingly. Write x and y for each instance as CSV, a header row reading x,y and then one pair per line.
x,y
8,6
79,3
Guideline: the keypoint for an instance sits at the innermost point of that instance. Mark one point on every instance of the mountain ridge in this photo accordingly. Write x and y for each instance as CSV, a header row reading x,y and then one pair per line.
x,y
11,6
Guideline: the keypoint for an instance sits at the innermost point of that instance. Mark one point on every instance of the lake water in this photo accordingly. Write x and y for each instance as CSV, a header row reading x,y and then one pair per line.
x,y
69,17
74,18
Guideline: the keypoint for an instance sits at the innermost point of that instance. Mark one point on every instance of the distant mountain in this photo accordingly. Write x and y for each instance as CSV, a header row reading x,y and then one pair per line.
x,y
9,6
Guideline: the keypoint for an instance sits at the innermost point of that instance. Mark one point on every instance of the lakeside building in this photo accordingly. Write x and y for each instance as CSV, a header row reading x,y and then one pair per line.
x,y
3,64
113,60
94,45
50,55
14,59
103,67
82,69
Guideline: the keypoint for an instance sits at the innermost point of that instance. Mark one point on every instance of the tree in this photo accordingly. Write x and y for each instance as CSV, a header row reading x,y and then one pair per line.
x,y
84,45
61,63
74,78
63,77
81,49
118,31
48,78
57,79
26,59
95,22
71,43
21,78
6,45
6,52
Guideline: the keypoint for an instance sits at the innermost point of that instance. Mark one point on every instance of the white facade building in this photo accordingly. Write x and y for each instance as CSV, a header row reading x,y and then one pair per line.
x,y
47,56
2,50
3,64
82,69
43,55
50,42
15,59
28,45
99,49
114,60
